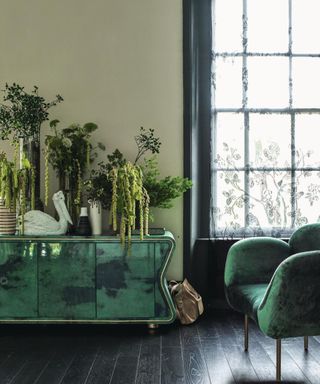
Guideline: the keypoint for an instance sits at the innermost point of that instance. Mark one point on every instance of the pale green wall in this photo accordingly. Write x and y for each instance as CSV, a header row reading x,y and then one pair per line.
x,y
115,62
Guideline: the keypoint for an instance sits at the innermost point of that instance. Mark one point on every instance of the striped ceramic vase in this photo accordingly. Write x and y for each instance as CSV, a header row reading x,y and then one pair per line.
x,y
8,220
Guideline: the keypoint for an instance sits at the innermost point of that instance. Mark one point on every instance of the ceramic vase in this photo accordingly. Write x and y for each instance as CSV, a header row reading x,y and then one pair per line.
x,y
8,220
95,214
84,227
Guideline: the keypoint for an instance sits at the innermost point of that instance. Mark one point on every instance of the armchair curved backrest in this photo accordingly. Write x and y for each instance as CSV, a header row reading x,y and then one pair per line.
x,y
291,304
305,238
254,260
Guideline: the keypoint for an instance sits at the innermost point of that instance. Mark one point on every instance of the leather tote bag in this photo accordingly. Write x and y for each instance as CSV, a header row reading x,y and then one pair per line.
x,y
189,305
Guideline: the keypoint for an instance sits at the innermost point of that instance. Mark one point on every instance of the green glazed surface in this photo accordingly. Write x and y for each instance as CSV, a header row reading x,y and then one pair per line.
x,y
85,279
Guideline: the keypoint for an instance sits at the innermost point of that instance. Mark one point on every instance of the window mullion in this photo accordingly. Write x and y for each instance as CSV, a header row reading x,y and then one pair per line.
x,y
293,123
293,171
246,114
290,53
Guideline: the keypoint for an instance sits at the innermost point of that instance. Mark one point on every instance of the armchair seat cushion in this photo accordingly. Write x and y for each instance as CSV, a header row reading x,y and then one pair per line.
x,y
246,298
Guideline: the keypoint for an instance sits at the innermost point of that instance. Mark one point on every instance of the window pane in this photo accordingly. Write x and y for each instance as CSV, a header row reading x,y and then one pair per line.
x,y
306,82
268,26
229,140
308,197
305,26
270,199
228,92
270,140
268,82
308,140
230,200
228,25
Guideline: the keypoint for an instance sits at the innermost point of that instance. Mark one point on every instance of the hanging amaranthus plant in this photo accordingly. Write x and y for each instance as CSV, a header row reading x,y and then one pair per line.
x,y
13,183
127,191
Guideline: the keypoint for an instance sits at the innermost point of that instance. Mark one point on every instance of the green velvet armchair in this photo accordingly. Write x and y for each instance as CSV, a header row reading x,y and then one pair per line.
x,y
277,284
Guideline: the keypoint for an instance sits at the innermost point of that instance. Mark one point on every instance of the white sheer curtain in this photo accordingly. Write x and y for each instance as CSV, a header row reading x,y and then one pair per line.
x,y
265,116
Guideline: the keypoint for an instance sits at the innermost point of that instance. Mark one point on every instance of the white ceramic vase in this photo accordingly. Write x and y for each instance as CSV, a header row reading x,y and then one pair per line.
x,y
95,215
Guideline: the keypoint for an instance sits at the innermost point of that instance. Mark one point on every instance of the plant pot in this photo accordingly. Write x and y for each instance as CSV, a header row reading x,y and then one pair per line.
x,y
8,220
95,214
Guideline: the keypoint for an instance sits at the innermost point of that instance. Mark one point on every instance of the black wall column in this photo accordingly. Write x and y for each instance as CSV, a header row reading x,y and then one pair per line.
x,y
197,43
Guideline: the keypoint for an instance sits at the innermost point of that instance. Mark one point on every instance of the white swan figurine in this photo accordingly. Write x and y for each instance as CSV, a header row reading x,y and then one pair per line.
x,y
39,223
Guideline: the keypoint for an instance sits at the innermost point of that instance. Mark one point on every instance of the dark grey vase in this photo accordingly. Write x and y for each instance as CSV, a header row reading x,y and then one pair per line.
x,y
84,227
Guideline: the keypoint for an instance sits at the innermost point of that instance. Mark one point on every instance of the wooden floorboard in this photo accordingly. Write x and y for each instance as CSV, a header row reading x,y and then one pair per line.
x,y
104,364
207,352
239,361
125,370
260,360
80,366
149,365
172,370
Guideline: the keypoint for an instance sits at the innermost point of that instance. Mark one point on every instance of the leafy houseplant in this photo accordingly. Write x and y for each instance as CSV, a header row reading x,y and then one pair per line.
x,y
70,152
162,191
21,115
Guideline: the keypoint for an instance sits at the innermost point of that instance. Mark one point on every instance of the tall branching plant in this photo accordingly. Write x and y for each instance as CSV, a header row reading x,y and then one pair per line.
x,y
22,113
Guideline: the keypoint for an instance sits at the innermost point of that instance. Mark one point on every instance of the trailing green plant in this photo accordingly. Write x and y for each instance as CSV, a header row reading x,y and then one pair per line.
x,y
162,191
70,152
99,186
13,183
127,192
22,113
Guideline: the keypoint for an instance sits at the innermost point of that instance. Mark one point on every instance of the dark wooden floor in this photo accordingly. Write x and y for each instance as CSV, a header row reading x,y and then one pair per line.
x,y
207,352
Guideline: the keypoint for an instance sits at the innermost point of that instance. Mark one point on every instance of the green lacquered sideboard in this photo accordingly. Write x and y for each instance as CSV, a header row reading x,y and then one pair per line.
x,y
85,279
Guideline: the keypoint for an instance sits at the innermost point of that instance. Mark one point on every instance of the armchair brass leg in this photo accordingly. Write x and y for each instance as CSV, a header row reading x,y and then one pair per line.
x,y
278,363
246,333
306,343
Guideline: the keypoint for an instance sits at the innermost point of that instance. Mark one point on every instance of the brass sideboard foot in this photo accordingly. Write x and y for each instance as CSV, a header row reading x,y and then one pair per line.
x,y
153,326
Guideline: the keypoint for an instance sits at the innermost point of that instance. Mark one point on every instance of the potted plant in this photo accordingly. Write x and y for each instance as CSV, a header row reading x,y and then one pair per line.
x,y
13,185
70,152
21,115
161,192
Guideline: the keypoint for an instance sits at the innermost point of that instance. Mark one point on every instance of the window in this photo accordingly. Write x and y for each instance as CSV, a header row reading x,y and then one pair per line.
x,y
265,116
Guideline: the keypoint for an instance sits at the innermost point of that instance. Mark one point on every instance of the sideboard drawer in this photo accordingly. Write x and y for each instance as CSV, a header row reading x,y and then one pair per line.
x,y
67,280
125,281
18,280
